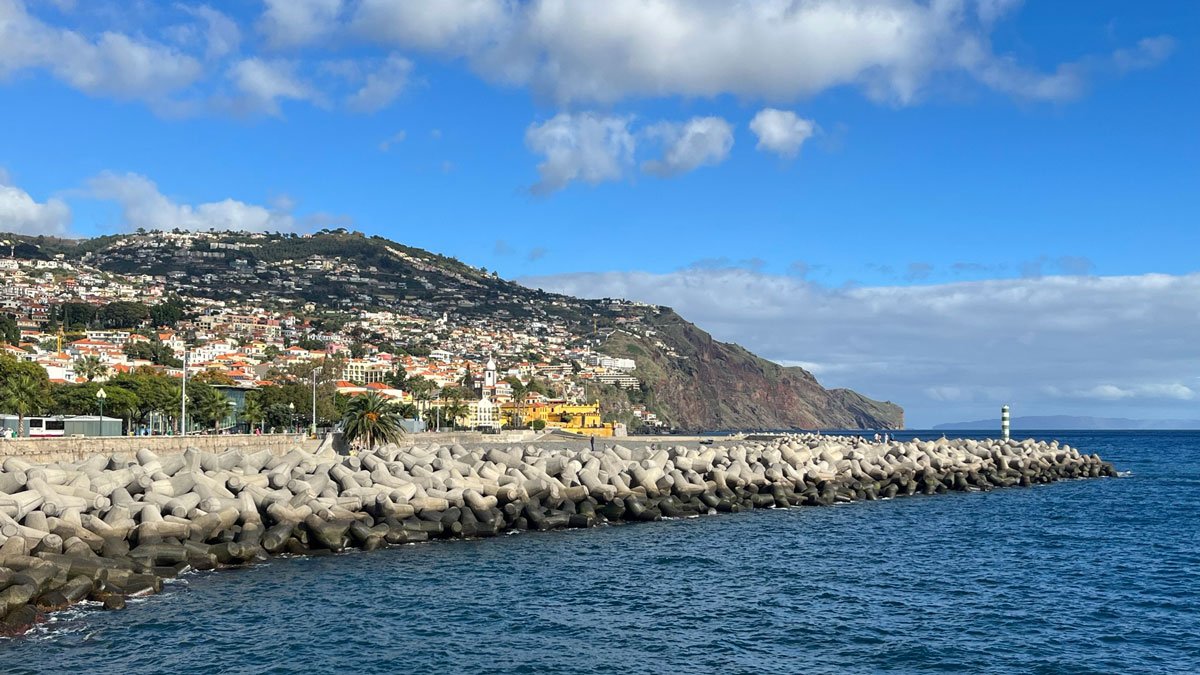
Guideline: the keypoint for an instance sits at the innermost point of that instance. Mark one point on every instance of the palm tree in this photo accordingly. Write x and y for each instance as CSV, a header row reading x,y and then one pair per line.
x,y
24,395
456,410
90,367
254,412
372,420
210,405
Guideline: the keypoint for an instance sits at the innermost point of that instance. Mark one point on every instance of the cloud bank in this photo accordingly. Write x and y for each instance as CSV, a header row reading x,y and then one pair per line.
x,y
1123,346
21,213
143,206
574,54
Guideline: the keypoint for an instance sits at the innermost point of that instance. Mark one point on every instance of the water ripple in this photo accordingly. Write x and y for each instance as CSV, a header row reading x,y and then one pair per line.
x,y
1076,577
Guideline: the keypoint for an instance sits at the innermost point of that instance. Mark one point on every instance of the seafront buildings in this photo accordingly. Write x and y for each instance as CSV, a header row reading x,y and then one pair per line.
x,y
494,359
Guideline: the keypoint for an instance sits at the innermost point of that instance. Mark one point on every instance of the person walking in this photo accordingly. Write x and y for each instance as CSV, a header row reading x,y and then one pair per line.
x,y
592,440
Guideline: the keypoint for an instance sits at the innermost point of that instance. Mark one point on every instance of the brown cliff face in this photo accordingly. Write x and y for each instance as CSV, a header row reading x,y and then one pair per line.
x,y
710,385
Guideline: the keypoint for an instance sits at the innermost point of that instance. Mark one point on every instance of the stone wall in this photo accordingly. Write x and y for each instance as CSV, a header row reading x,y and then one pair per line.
x,y
48,450
506,436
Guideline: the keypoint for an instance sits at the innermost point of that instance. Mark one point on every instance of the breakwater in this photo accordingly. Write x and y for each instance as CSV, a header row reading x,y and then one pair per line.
x,y
107,528
77,449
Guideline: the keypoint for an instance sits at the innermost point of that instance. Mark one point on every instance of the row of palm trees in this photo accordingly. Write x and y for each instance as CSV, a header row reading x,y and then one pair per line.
x,y
370,420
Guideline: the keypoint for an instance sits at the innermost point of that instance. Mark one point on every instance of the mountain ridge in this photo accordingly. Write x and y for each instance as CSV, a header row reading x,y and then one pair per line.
x,y
691,380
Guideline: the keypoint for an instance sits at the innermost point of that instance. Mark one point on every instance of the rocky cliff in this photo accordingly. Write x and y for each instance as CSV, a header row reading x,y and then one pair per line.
x,y
689,379
695,382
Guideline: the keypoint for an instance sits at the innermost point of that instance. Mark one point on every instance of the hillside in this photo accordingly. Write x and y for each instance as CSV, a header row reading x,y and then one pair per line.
x,y
689,379
702,383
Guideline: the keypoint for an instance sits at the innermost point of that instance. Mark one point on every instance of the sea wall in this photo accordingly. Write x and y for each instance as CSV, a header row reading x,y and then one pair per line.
x,y
109,526
48,450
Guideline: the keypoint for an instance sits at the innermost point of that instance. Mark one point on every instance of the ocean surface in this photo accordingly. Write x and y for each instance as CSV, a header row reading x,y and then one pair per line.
x,y
1096,576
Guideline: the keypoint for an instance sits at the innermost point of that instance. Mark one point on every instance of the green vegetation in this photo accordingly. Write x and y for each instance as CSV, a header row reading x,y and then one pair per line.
x,y
154,352
24,388
371,420
10,333
123,315
155,393
90,367
455,411
208,405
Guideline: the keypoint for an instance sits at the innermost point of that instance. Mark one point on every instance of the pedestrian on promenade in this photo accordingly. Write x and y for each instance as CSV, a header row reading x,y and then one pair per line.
x,y
592,440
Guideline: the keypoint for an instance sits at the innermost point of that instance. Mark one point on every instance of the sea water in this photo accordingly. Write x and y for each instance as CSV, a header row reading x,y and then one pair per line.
x,y
1089,576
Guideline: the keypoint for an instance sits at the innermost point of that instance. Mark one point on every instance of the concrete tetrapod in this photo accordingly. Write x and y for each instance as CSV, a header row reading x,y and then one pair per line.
x,y
107,528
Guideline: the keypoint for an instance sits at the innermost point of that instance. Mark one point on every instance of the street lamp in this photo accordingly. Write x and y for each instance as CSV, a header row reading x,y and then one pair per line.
x,y
232,416
314,403
183,397
100,396
292,407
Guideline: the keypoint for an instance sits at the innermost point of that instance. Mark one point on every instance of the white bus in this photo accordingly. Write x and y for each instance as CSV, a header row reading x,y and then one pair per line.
x,y
39,427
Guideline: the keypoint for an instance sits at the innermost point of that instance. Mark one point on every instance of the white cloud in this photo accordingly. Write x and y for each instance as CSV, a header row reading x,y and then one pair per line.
x,y
1111,392
294,23
382,85
262,84
781,131
580,147
222,35
701,141
1148,53
991,11
394,139
143,206
1107,346
456,26
20,213
776,50
113,64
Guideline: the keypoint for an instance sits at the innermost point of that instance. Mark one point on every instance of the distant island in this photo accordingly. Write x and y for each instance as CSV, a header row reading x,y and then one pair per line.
x,y
1074,423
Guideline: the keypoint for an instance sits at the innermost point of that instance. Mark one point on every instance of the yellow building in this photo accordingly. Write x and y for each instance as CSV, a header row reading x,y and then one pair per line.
x,y
576,418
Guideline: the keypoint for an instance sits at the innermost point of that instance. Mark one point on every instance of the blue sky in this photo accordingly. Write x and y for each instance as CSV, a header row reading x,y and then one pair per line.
x,y
810,146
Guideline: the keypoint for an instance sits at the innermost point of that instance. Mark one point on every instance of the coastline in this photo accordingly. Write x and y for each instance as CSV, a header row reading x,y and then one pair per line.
x,y
107,528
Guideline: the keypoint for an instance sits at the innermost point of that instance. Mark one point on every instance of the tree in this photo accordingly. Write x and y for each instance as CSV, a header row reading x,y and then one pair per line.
x,y
122,314
90,367
311,344
518,387
9,331
537,425
254,412
455,393
207,404
153,351
455,411
421,388
372,420
24,388
80,399
271,352
214,376
297,383
168,313
397,379
156,393
76,315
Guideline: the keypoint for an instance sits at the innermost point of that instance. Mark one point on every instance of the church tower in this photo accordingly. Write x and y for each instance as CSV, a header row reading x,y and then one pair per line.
x,y
489,375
